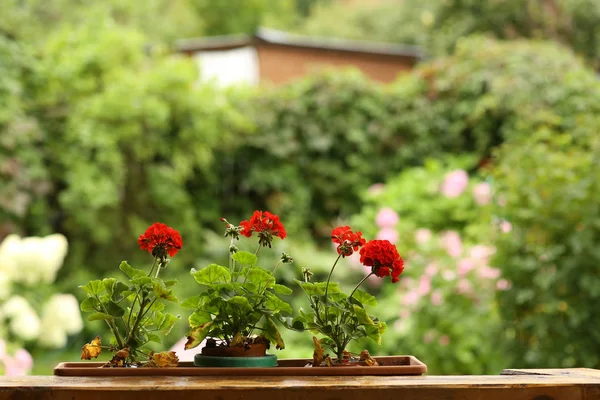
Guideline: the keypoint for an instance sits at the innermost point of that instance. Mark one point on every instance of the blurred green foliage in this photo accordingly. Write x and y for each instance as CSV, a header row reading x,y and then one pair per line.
x,y
550,185
439,25
102,134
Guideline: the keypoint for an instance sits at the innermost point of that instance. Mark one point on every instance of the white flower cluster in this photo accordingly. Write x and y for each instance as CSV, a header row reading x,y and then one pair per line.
x,y
27,263
32,260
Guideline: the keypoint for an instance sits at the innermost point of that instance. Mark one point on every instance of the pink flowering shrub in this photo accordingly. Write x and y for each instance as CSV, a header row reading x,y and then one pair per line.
x,y
445,307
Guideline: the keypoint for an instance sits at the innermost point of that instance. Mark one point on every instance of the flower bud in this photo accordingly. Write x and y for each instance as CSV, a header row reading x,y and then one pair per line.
x,y
306,272
233,249
286,259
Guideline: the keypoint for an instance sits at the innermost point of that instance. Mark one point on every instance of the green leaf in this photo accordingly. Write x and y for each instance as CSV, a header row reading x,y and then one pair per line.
x,y
272,333
198,318
193,302
241,304
130,271
245,258
260,277
298,324
161,291
212,274
94,287
281,289
99,316
119,291
157,306
141,280
154,338
109,284
365,298
318,288
362,315
171,282
114,309
197,334
168,323
275,304
90,304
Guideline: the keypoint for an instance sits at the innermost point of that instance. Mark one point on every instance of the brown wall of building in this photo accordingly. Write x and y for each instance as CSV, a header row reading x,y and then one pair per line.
x,y
280,64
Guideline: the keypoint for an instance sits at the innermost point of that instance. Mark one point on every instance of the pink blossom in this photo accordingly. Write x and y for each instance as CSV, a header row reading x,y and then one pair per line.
x,y
455,183
444,340
465,265
19,365
388,234
404,314
481,252
422,236
387,218
487,272
482,193
464,286
411,298
449,275
502,284
452,242
424,285
505,226
437,299
2,349
377,188
431,269
428,336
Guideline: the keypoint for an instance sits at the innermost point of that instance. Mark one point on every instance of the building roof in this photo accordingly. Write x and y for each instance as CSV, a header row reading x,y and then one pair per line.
x,y
276,37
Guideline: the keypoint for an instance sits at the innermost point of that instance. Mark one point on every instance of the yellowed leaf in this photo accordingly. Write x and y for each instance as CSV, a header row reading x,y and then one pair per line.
x,y
92,349
165,359
318,353
366,358
197,334
238,339
119,358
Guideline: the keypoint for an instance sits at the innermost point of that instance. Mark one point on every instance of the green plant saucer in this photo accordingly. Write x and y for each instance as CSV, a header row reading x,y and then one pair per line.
x,y
268,360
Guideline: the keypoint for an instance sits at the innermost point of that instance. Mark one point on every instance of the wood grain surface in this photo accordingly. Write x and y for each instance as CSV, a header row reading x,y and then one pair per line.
x,y
566,384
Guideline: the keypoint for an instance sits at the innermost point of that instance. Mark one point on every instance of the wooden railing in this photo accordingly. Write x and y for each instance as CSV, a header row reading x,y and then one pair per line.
x,y
544,384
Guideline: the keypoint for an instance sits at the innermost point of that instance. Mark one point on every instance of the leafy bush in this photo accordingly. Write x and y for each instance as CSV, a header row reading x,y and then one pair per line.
x,y
550,185
125,134
444,311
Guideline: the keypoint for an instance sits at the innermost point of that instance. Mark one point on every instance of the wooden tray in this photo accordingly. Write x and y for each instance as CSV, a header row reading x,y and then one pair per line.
x,y
390,365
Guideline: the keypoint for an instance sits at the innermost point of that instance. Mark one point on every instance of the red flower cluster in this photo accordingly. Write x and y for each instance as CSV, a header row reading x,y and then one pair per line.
x,y
266,225
383,258
348,242
160,240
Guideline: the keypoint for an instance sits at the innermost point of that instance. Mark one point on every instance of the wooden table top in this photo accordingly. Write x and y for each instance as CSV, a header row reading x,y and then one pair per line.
x,y
545,384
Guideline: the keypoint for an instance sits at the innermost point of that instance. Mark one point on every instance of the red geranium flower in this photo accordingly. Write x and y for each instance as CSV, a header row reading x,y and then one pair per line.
x,y
383,258
266,225
348,242
160,240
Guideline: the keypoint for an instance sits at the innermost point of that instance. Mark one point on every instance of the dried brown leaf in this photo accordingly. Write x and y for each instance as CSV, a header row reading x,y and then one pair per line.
x,y
92,349
165,359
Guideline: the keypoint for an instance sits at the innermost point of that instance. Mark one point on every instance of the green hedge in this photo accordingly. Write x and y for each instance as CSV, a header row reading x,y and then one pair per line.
x,y
551,189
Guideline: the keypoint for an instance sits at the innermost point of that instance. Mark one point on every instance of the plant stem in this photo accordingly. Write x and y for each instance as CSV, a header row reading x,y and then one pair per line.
x,y
276,266
153,265
258,249
331,272
360,283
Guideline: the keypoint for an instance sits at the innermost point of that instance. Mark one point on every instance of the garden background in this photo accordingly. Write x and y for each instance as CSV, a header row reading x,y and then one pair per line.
x,y
481,164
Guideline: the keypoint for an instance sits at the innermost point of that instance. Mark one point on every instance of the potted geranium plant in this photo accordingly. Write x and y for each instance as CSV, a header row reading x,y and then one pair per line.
x,y
237,309
341,318
134,310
